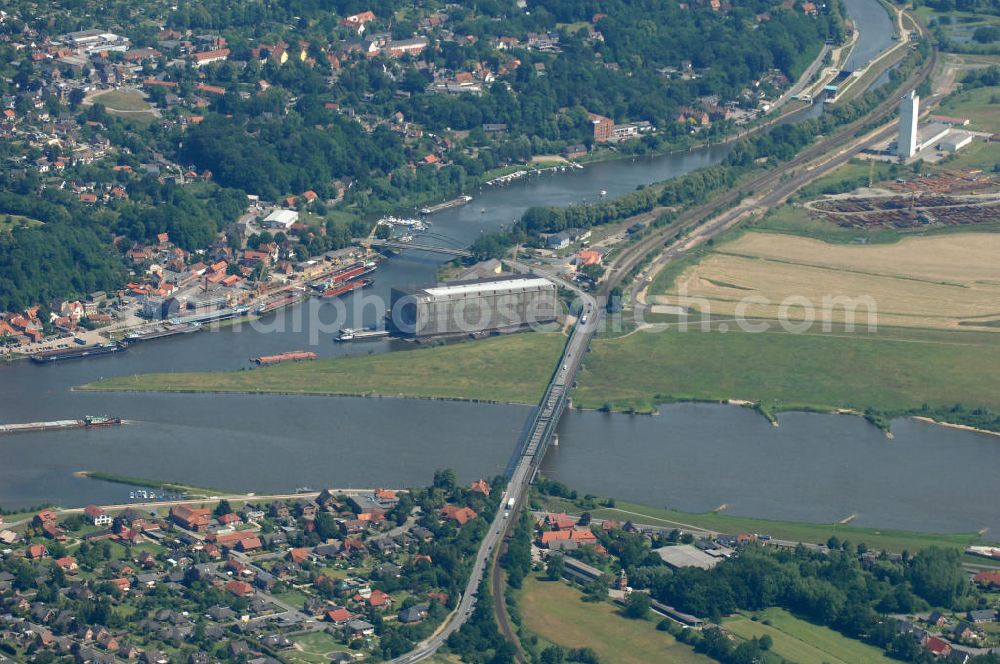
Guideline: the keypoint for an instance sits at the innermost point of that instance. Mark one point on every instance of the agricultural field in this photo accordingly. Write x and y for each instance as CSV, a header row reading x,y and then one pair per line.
x,y
800,641
511,369
556,613
892,371
941,282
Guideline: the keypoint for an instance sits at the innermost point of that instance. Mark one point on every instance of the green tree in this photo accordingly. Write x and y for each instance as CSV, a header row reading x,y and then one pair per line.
x,y
937,576
637,606
555,567
222,508
445,479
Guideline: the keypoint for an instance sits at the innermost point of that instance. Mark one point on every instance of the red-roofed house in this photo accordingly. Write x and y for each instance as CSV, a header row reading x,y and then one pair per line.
x,y
67,565
299,555
191,518
379,600
460,515
989,579
97,516
249,544
560,521
480,487
208,57
229,519
210,89
550,536
339,616
357,21
37,551
938,647
45,516
240,588
352,546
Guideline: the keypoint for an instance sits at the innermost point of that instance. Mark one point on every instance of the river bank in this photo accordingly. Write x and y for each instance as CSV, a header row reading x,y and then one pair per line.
x,y
713,522
518,367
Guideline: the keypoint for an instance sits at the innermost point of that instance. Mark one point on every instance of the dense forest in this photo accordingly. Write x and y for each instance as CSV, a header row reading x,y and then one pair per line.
x,y
267,143
71,253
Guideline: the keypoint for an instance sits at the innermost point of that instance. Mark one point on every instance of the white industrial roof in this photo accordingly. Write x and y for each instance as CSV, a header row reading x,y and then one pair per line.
x,y
505,284
283,216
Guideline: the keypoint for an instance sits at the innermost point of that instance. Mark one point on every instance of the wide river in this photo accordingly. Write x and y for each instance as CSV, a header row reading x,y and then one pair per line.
x,y
691,457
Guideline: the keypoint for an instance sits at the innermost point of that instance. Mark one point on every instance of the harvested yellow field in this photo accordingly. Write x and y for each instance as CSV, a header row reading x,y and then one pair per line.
x,y
935,282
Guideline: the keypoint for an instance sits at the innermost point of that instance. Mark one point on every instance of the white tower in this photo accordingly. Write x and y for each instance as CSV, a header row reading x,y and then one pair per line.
x,y
909,111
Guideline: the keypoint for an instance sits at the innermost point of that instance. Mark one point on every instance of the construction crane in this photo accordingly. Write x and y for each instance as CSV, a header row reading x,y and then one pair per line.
x,y
871,173
367,244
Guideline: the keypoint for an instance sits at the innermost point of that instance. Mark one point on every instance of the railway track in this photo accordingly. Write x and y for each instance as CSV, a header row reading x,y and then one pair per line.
x,y
633,255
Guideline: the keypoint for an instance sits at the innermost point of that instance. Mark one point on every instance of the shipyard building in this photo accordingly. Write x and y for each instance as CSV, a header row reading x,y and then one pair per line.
x,y
474,306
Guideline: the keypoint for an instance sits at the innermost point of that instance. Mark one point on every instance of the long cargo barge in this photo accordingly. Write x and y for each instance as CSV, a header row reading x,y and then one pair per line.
x,y
447,205
350,334
77,353
161,332
290,356
280,302
343,275
212,316
337,291
56,425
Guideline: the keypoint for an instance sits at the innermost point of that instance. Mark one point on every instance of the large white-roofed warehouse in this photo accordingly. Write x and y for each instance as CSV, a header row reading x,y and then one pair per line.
x,y
478,305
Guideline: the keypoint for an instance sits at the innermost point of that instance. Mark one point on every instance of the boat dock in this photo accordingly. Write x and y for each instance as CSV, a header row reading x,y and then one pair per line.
x,y
57,425
349,334
447,205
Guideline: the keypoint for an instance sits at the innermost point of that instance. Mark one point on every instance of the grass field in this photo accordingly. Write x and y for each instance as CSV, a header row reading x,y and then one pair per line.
x,y
122,100
803,642
892,371
895,541
554,611
927,282
126,103
312,648
981,154
11,221
980,105
511,369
